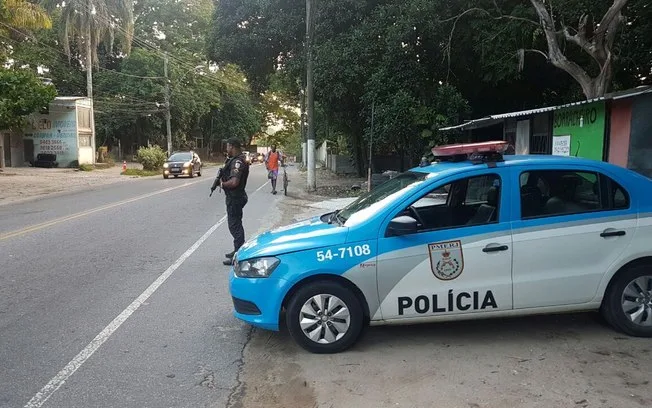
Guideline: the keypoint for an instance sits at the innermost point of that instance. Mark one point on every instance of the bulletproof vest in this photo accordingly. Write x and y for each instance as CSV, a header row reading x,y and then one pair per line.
x,y
229,166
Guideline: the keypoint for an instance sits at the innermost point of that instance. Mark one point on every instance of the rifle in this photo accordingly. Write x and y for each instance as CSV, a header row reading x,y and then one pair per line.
x,y
217,182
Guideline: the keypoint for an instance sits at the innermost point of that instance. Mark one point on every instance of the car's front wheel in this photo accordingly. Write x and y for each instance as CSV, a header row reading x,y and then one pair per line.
x,y
325,317
628,303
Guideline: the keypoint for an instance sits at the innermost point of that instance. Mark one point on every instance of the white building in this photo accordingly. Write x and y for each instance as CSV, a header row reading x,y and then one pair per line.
x,y
66,130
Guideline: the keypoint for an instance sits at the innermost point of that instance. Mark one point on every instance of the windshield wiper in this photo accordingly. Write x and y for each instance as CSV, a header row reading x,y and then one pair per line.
x,y
333,216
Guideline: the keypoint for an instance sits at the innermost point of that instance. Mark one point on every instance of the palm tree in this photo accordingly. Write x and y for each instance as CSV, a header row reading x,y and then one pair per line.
x,y
88,23
23,14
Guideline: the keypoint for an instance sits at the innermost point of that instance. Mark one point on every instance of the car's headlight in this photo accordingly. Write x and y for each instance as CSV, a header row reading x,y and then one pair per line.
x,y
165,165
256,268
186,164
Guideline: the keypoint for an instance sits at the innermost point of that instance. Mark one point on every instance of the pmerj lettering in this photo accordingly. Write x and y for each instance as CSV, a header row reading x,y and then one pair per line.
x,y
451,302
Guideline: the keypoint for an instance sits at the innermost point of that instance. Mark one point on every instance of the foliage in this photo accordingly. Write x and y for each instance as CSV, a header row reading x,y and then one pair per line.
x,y
22,14
99,19
21,93
422,63
152,158
575,58
86,167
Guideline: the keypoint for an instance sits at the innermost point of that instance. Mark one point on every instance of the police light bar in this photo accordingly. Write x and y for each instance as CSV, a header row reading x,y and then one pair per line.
x,y
470,148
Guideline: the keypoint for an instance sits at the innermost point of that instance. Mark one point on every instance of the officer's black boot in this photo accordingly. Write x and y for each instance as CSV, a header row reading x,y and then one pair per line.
x,y
230,254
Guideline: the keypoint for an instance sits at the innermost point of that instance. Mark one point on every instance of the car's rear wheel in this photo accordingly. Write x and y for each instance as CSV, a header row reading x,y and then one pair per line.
x,y
628,304
325,317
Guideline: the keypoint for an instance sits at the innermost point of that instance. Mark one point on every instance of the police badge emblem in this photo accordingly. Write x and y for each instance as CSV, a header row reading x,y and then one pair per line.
x,y
446,259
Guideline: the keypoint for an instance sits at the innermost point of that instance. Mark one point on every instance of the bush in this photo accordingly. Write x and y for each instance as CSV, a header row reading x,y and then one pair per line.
x,y
86,167
152,158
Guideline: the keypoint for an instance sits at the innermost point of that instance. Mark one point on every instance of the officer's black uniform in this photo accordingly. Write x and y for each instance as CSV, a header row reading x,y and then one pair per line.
x,y
236,198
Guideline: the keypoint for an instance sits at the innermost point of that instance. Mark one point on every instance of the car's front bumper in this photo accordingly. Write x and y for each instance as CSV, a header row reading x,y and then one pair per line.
x,y
176,171
257,301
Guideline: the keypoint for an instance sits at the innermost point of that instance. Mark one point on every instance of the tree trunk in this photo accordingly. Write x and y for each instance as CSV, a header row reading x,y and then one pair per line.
x,y
598,44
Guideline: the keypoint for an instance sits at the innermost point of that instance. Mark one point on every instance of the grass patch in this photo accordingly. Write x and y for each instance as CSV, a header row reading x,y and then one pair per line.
x,y
86,167
141,173
101,166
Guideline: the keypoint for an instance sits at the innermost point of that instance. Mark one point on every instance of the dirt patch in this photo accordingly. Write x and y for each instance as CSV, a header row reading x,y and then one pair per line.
x,y
266,383
24,183
329,184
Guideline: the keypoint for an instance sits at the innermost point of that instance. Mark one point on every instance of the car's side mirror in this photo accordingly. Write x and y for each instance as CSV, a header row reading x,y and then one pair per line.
x,y
402,225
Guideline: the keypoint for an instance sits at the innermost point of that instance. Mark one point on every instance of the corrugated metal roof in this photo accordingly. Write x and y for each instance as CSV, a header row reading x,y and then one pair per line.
x,y
629,93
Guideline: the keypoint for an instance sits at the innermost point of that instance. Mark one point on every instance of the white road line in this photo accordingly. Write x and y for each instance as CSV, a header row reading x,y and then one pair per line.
x,y
55,383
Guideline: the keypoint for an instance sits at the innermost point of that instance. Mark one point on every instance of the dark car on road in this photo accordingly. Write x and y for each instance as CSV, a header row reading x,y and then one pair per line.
x,y
182,164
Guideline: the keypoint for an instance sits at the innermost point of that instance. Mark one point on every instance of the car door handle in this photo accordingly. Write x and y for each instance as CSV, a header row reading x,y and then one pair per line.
x,y
495,248
612,233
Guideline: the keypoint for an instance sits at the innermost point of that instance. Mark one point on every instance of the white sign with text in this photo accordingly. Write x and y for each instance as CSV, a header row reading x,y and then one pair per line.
x,y
561,145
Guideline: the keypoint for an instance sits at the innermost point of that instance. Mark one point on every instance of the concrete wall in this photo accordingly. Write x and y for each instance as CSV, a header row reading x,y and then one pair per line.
x,y
339,164
17,150
321,154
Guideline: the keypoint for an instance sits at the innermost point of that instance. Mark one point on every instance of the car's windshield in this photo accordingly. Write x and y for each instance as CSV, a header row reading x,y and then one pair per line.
x,y
382,194
180,157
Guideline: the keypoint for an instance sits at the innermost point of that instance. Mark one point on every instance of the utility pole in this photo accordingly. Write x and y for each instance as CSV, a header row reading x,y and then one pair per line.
x,y
167,103
371,141
310,148
304,139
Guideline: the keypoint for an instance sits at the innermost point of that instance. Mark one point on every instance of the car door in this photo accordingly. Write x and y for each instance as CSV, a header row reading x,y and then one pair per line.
x,y
460,259
571,224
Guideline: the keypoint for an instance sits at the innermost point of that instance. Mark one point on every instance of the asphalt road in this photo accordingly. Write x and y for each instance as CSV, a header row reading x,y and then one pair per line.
x,y
118,297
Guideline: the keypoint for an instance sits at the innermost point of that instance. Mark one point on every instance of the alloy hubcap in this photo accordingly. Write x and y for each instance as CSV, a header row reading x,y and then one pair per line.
x,y
324,318
637,301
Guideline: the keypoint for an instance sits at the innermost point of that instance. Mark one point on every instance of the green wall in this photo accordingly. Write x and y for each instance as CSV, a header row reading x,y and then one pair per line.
x,y
586,140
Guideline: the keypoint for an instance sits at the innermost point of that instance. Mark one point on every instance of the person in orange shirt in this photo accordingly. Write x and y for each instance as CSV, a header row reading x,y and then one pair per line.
x,y
273,161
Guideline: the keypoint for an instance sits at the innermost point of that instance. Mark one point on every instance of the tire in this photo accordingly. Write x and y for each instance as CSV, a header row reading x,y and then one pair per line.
x,y
328,290
165,177
192,173
639,298
199,172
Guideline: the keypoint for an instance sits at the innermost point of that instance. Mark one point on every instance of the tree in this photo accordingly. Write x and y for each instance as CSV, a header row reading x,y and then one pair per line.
x,y
21,93
587,53
595,39
88,23
22,14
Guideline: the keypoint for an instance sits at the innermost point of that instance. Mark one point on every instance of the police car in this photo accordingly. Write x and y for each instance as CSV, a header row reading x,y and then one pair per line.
x,y
474,234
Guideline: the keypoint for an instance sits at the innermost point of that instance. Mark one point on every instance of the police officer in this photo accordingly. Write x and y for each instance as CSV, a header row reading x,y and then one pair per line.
x,y
234,180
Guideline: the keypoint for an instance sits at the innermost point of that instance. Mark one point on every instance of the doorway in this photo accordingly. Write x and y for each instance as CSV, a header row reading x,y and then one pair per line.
x,y
7,149
28,146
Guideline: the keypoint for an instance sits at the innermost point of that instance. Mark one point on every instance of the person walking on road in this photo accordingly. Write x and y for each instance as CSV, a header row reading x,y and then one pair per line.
x,y
234,180
273,160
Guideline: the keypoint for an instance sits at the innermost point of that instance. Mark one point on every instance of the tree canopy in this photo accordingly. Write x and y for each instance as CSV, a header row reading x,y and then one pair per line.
x,y
424,64
386,72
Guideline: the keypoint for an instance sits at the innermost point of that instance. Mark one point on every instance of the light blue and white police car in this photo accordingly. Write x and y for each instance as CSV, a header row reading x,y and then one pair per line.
x,y
471,235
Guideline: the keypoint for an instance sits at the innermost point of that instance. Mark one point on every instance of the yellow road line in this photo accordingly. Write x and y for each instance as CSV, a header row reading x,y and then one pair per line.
x,y
55,221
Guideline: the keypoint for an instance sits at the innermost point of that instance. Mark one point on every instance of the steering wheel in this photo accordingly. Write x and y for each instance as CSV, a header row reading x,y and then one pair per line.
x,y
416,215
